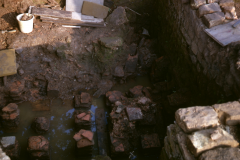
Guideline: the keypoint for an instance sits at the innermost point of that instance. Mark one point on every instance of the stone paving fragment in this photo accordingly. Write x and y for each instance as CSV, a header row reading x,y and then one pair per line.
x,y
208,8
201,141
228,113
8,142
221,154
214,19
134,114
196,118
195,4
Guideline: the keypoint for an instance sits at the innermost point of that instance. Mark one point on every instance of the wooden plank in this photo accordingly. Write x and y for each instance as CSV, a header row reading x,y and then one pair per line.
x,y
56,13
76,5
224,34
102,132
51,13
72,22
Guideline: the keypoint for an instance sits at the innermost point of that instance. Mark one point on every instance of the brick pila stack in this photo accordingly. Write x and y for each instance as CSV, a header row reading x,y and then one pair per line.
x,y
82,119
83,101
10,116
38,147
84,142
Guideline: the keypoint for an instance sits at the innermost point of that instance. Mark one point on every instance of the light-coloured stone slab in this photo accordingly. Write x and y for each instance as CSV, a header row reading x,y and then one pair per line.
x,y
204,140
228,113
8,141
196,118
76,5
221,154
208,8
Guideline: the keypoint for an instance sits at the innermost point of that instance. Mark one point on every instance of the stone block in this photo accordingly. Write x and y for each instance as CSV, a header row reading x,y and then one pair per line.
x,y
231,15
230,12
134,114
118,16
196,118
221,154
228,113
224,3
111,42
214,19
207,139
208,8
195,4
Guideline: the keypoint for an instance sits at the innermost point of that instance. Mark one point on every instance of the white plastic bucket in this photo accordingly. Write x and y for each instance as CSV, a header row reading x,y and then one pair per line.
x,y
25,26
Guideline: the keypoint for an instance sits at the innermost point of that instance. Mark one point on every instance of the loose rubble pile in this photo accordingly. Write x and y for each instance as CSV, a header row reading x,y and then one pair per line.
x,y
10,116
214,12
132,119
10,146
204,133
84,142
38,148
41,125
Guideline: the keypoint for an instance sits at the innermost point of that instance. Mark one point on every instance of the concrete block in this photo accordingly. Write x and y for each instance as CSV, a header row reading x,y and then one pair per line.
x,y
196,118
204,140
208,8
214,19
94,9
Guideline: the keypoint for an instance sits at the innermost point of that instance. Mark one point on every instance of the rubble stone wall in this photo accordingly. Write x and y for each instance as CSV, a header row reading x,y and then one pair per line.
x,y
198,61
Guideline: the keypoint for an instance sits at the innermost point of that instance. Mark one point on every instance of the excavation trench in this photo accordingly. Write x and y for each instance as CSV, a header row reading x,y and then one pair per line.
x,y
147,55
